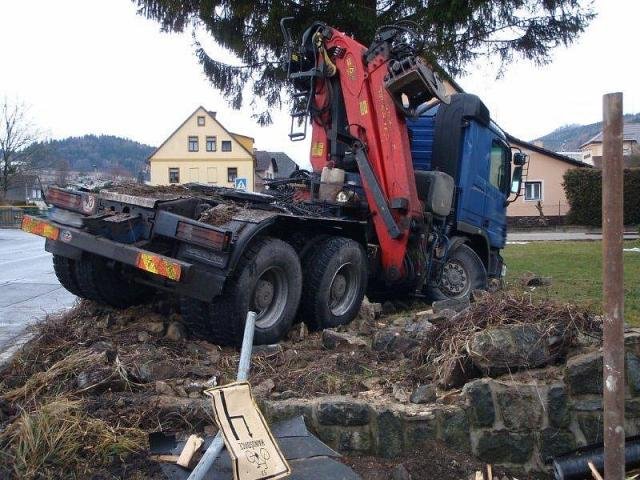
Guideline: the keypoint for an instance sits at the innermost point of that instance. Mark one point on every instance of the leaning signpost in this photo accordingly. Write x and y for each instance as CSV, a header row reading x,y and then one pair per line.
x,y
613,288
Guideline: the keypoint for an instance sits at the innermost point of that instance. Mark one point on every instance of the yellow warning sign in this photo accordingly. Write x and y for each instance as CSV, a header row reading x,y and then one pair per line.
x,y
317,149
254,453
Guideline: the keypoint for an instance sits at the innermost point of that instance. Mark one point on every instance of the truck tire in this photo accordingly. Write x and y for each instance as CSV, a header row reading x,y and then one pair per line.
x,y
335,280
268,281
100,283
65,271
463,273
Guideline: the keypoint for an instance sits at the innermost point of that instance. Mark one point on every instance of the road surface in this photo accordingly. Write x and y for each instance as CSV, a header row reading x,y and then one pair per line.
x,y
29,289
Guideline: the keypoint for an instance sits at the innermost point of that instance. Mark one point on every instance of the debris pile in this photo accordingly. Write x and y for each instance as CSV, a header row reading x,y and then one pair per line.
x,y
84,394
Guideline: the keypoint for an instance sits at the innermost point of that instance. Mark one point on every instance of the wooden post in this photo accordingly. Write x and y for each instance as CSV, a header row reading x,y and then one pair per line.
x,y
612,286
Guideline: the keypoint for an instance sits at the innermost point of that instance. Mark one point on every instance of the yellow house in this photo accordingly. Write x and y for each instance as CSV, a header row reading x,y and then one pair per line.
x,y
202,150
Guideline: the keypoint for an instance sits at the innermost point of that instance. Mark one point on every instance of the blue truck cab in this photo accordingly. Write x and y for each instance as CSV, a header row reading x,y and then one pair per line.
x,y
460,139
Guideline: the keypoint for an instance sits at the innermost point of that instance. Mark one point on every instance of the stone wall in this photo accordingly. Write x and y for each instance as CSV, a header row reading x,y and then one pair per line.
x,y
515,422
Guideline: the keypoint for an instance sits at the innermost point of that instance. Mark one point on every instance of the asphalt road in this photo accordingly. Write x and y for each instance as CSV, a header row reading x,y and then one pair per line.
x,y
29,289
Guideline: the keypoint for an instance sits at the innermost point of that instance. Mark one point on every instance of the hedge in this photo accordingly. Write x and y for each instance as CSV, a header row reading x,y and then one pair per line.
x,y
583,188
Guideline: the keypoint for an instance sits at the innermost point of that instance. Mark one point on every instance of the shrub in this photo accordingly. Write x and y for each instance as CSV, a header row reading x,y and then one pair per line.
x,y
583,188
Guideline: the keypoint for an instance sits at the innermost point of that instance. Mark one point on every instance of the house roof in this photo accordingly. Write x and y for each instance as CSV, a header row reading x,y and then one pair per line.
x,y
631,133
211,114
282,163
22,180
544,151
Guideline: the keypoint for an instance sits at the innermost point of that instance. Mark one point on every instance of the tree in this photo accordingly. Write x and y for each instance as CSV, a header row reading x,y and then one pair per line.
x,y
62,172
17,134
457,32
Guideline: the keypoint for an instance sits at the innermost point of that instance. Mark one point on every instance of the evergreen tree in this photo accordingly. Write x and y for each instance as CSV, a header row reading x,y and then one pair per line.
x,y
457,32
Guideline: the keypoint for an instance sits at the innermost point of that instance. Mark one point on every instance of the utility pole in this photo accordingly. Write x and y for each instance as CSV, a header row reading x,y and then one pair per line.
x,y
612,287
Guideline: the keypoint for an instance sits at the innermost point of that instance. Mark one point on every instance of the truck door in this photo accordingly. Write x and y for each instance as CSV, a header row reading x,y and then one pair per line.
x,y
472,182
495,221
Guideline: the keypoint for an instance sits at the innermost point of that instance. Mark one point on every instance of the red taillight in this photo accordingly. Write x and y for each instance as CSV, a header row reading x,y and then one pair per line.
x,y
64,199
207,237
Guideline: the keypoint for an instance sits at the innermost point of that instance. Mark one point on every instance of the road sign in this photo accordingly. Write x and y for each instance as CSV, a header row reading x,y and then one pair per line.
x,y
241,184
254,453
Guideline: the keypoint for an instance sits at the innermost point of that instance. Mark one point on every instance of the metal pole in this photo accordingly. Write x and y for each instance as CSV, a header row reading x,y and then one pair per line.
x,y
206,462
612,287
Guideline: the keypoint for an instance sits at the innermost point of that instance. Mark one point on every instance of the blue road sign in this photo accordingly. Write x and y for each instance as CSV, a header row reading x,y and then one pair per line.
x,y
241,184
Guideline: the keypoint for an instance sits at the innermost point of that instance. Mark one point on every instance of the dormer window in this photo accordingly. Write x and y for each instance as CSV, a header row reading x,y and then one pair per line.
x,y
201,121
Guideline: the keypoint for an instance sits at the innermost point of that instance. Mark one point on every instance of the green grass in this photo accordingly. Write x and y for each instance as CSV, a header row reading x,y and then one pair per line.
x,y
576,268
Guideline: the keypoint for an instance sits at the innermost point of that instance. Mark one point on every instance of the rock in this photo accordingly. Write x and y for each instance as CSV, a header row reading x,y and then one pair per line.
x,y
286,395
82,380
420,330
153,327
401,321
478,295
587,405
424,394
457,373
181,391
159,371
479,399
392,339
369,311
176,332
163,388
511,347
583,374
592,426
143,337
388,308
333,340
264,388
558,406
521,407
450,304
267,350
342,411
400,472
504,447
400,394
194,387
275,411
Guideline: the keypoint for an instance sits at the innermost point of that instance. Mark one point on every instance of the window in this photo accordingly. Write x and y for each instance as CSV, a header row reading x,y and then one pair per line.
x,y
201,121
533,191
226,145
498,165
232,173
211,144
174,175
193,144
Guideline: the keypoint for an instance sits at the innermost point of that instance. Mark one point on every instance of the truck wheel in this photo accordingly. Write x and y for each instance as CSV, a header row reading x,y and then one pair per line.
x,y
98,282
335,280
268,281
463,273
65,271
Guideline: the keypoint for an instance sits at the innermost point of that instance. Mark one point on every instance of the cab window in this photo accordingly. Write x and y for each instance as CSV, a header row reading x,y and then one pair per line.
x,y
498,165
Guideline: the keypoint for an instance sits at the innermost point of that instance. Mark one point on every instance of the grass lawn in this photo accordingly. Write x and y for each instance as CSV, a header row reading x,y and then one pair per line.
x,y
576,268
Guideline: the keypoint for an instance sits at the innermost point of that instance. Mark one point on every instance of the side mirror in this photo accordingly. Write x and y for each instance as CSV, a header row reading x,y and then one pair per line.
x,y
516,179
519,159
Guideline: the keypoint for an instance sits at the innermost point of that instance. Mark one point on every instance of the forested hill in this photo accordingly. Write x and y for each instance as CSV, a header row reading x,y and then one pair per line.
x,y
569,137
102,152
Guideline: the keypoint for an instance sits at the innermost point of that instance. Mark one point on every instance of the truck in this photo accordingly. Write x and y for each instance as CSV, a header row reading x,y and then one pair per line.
x,y
407,197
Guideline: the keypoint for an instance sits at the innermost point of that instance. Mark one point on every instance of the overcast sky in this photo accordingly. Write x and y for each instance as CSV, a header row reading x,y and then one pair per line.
x,y
92,66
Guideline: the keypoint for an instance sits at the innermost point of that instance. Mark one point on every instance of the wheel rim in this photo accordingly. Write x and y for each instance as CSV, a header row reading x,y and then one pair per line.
x,y
344,288
455,279
269,297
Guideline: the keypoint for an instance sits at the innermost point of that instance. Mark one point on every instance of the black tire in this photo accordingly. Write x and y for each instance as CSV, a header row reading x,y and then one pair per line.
x,y
99,282
335,281
463,273
65,271
267,280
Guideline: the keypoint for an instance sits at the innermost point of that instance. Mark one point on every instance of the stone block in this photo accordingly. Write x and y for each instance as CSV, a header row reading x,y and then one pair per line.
x,y
389,434
454,428
521,407
558,406
554,442
346,439
479,400
342,411
505,447
591,425
424,394
450,304
583,374
419,432
277,410
332,340
633,373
